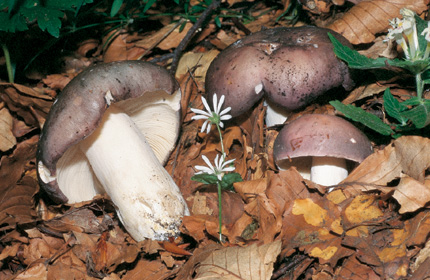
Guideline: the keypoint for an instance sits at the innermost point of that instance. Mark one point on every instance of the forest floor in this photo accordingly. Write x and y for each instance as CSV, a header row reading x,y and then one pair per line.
x,y
375,224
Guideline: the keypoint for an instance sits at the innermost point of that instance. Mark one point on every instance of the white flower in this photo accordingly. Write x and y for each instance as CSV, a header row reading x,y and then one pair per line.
x,y
426,34
220,166
410,29
396,33
212,117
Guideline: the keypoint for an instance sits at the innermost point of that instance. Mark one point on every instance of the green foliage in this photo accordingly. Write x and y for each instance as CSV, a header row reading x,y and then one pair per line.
x,y
359,115
16,15
356,60
226,183
411,114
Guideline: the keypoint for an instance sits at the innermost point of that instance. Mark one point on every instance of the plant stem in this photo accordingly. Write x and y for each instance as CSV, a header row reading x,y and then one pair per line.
x,y
218,184
8,63
219,187
420,86
220,140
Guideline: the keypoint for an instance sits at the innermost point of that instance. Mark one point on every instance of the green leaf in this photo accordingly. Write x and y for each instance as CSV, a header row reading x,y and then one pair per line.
x,y
65,5
12,23
116,5
217,22
420,115
148,5
229,179
48,19
358,61
421,25
413,101
359,115
394,108
353,58
205,178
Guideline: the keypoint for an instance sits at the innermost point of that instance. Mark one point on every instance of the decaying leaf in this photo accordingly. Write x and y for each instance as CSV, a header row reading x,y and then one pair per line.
x,y
29,104
369,17
200,61
407,158
17,190
170,36
7,139
252,262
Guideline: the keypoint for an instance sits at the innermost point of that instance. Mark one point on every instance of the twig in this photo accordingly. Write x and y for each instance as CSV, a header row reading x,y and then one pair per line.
x,y
190,34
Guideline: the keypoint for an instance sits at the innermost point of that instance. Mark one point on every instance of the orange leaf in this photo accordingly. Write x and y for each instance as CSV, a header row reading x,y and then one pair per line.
x,y
172,247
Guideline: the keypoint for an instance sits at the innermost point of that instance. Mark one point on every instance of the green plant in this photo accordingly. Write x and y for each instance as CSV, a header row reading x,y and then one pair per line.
x,y
411,114
216,173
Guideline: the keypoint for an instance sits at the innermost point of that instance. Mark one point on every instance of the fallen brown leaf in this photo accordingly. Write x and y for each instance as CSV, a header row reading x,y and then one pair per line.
x,y
7,139
369,17
17,190
252,262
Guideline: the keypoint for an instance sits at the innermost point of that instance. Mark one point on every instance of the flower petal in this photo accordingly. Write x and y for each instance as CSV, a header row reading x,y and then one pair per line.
x,y
205,103
209,127
225,117
199,117
206,160
201,112
221,102
225,111
215,102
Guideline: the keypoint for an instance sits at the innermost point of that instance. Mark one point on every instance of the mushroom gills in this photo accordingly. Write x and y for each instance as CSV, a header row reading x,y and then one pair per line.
x,y
150,203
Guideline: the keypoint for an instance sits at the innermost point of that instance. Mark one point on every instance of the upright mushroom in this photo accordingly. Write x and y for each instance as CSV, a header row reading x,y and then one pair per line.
x,y
111,130
319,146
293,66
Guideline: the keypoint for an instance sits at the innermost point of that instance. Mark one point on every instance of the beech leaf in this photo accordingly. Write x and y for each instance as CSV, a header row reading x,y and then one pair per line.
x,y
252,262
369,17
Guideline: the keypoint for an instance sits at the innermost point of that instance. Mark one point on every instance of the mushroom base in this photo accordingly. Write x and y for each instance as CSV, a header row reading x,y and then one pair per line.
x,y
325,171
328,171
148,201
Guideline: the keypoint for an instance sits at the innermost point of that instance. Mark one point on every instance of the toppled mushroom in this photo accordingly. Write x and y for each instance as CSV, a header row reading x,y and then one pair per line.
x,y
293,66
111,130
319,147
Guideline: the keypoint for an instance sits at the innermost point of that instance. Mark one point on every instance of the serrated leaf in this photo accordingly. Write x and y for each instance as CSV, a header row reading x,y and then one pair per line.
x,y
47,19
358,61
70,5
359,115
420,115
393,107
12,24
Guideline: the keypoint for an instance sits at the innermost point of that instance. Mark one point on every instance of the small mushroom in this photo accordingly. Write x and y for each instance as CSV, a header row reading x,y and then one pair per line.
x,y
293,66
319,146
111,131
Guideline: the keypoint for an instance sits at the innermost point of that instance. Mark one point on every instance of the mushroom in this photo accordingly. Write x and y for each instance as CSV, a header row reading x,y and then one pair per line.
x,y
319,146
111,131
293,66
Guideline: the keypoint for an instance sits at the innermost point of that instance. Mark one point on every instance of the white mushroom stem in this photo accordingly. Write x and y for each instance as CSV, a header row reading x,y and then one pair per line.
x,y
275,115
148,201
328,171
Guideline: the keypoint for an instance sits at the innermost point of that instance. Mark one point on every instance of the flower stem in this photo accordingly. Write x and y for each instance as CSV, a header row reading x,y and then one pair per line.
x,y
219,210
420,85
219,187
220,139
